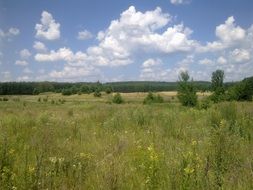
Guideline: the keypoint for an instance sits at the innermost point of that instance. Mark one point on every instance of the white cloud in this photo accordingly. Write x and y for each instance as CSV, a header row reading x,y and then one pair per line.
x,y
151,63
178,2
136,32
229,32
39,46
63,54
205,62
6,76
21,63
23,78
27,71
25,54
84,35
49,29
10,33
221,60
186,61
13,32
240,55
70,72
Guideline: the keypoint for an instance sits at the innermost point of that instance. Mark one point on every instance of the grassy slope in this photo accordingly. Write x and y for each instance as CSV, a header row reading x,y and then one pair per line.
x,y
87,143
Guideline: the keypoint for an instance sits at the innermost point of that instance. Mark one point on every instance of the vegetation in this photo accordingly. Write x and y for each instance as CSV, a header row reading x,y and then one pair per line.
x,y
95,145
218,86
82,142
151,98
97,93
117,99
241,91
186,90
34,88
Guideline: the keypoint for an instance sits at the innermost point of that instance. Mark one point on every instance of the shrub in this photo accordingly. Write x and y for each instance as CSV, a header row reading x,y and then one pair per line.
x,y
66,92
108,90
117,99
97,93
35,91
5,99
205,103
151,98
240,92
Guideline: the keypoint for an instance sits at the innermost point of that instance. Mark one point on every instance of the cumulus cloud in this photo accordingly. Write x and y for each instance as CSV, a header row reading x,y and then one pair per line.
x,y
25,54
179,2
228,34
21,63
10,33
240,55
70,72
221,60
151,63
49,29
84,35
136,32
63,54
39,46
205,61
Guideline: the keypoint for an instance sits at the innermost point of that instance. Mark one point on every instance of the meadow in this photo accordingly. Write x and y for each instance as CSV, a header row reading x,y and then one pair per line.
x,y
50,141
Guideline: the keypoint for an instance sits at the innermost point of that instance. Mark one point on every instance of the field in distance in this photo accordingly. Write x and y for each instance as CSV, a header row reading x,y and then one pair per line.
x,y
86,142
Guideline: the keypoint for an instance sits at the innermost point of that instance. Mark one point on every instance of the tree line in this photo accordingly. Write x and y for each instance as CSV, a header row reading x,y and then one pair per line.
x,y
34,88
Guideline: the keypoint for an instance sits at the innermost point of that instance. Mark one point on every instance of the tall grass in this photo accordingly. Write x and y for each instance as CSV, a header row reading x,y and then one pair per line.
x,y
94,145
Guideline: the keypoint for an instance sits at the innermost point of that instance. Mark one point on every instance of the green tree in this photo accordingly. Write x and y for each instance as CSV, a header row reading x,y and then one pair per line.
x,y
218,86
186,90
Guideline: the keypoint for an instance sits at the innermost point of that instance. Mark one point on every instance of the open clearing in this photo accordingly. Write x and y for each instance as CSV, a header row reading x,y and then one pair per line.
x,y
90,143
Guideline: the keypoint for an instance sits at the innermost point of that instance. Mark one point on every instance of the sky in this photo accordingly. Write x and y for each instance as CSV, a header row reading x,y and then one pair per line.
x,y
126,40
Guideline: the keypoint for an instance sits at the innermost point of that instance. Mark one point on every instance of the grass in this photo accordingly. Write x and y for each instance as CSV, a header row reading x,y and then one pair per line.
x,y
88,143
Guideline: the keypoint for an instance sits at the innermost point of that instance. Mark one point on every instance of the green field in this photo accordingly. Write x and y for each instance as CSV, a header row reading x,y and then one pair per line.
x,y
90,143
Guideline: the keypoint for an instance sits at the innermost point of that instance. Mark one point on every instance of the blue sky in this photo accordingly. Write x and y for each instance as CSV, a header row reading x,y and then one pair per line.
x,y
84,40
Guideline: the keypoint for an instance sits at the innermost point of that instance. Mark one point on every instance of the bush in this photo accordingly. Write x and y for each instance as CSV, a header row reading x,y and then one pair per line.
x,y
205,103
35,91
151,98
117,99
240,92
5,99
66,92
97,93
108,90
